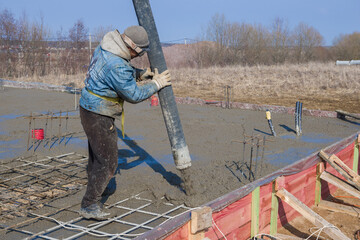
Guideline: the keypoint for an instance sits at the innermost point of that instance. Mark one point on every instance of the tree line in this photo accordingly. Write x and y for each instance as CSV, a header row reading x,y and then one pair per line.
x,y
29,49
230,43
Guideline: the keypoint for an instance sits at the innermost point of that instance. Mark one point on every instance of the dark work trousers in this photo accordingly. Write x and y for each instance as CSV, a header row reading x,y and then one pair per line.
x,y
103,154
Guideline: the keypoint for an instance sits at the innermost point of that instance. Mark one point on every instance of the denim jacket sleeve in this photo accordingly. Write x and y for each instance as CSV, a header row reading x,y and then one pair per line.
x,y
122,80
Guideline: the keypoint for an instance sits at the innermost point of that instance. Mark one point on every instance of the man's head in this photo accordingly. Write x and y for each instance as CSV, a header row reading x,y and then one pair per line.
x,y
136,39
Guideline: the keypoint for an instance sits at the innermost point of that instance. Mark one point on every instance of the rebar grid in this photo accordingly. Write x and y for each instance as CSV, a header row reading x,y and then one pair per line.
x,y
28,184
124,226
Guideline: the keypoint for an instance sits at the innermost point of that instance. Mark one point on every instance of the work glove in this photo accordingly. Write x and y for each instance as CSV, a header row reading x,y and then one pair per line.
x,y
161,80
146,74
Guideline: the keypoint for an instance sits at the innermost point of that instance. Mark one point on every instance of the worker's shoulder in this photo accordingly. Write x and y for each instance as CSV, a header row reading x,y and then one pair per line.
x,y
120,64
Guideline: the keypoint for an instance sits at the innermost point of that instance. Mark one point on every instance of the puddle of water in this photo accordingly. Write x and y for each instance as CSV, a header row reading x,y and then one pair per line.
x,y
9,117
72,113
289,156
312,138
77,141
8,149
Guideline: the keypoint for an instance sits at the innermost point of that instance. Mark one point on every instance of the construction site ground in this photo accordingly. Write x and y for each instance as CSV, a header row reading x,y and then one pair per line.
x,y
42,182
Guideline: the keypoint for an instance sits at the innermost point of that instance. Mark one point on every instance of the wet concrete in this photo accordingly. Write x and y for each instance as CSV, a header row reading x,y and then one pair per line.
x,y
214,135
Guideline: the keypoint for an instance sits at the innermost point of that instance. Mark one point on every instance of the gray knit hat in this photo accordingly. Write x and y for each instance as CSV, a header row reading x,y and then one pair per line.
x,y
138,35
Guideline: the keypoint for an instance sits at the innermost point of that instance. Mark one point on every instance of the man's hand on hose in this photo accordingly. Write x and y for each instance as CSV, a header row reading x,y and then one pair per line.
x,y
146,74
162,80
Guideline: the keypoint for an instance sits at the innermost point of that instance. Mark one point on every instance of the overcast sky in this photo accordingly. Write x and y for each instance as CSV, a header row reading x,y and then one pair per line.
x,y
179,19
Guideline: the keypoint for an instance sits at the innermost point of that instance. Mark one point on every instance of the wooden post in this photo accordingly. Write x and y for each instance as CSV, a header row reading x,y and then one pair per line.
x,y
274,210
310,215
255,207
319,171
342,114
356,155
201,220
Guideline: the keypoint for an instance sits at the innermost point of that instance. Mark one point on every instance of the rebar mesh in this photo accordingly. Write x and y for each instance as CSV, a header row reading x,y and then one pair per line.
x,y
32,189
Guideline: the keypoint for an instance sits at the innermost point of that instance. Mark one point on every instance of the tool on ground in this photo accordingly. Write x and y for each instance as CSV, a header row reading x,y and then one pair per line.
x,y
268,117
156,58
298,118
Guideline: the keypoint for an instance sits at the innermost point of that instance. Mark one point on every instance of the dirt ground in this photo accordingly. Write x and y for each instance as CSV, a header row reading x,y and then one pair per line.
x,y
215,137
302,228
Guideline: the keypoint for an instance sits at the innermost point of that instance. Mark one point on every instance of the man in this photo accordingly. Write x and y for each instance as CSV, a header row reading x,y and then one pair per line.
x,y
110,81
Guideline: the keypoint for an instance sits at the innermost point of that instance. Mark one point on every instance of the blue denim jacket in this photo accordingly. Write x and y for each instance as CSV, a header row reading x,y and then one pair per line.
x,y
112,76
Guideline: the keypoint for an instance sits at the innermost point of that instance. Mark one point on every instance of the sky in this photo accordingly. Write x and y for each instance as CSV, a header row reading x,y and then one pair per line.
x,y
180,19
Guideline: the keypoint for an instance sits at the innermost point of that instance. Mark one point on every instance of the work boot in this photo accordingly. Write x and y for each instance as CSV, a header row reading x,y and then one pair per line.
x,y
94,211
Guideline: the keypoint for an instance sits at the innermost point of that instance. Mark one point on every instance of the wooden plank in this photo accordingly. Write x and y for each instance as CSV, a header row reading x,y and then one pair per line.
x,y
274,210
310,215
342,114
336,207
340,184
342,168
356,155
255,209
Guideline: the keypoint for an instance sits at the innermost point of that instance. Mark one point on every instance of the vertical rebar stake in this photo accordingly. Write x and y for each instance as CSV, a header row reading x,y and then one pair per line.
x,y
46,124
262,154
244,143
51,123
228,96
33,136
59,126
300,117
256,156
297,118
29,135
251,155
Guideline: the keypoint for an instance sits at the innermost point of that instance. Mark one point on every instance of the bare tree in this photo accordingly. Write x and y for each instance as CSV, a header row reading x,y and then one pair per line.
x,y
347,47
216,32
100,31
306,39
8,33
280,40
7,26
78,34
77,58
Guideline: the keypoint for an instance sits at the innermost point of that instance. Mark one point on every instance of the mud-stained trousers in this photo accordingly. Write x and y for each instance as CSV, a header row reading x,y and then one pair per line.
x,y
103,154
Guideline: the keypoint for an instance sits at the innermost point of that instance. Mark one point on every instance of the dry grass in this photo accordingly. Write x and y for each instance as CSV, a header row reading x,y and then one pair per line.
x,y
59,80
318,85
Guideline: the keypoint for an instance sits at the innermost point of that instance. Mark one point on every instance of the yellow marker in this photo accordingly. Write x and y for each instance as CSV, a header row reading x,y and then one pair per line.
x,y
268,115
